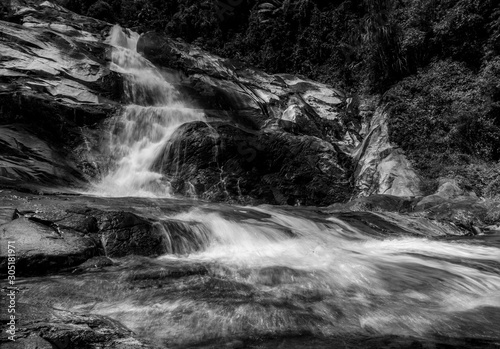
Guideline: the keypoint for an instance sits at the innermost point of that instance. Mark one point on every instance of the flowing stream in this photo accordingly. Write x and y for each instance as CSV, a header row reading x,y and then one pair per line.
x,y
269,277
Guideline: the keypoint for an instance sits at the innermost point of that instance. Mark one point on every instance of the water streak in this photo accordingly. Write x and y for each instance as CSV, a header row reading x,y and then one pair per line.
x,y
289,274
145,126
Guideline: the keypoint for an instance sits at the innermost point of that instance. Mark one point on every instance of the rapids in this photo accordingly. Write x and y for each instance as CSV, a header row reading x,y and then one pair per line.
x,y
269,276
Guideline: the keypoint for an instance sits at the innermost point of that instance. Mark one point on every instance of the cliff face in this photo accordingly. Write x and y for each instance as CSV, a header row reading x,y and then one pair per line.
x,y
55,84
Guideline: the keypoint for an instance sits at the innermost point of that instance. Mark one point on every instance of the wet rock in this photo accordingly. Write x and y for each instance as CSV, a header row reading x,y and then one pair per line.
x,y
224,163
448,189
183,238
447,211
379,203
42,249
386,224
27,158
57,236
95,263
380,167
43,327
467,213
31,342
124,233
248,97
54,81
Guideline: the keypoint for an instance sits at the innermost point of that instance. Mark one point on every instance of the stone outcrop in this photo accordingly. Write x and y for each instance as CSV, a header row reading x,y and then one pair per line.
x,y
44,327
247,97
381,168
224,163
54,84
52,238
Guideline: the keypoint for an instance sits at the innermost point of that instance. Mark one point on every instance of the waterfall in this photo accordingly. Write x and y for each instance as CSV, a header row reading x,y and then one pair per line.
x,y
139,134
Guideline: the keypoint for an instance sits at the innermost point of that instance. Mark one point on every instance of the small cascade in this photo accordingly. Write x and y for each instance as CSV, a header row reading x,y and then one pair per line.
x,y
183,238
265,271
145,126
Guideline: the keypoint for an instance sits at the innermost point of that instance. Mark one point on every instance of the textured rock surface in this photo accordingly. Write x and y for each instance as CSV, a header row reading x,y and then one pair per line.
x,y
42,248
55,236
54,81
248,97
224,163
380,167
44,327
284,141
27,158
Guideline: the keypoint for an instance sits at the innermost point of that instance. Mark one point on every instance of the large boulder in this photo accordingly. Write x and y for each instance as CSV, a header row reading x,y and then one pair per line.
x,y
222,162
124,233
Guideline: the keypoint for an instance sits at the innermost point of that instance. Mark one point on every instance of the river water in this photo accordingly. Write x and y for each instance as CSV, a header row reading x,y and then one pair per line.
x,y
271,277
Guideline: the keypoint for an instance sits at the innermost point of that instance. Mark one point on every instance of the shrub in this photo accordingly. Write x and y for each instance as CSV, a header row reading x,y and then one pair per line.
x,y
444,120
101,10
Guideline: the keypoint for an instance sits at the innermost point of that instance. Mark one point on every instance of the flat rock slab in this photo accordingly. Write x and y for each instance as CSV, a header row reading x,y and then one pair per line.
x,y
44,327
40,248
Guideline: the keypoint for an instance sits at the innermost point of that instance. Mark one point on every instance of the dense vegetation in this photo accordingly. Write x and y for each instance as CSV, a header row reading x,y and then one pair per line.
x,y
437,61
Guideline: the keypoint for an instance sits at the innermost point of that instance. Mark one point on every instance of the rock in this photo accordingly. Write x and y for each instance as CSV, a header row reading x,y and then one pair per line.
x,y
49,237
31,342
224,163
385,224
95,263
467,213
41,249
27,158
380,167
43,327
448,189
54,81
124,233
250,98
378,203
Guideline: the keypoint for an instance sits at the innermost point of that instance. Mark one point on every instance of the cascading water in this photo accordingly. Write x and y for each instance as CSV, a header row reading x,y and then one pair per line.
x,y
254,274
145,126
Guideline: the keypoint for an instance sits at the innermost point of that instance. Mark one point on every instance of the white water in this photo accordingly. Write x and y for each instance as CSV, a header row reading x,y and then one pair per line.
x,y
289,274
400,286
145,126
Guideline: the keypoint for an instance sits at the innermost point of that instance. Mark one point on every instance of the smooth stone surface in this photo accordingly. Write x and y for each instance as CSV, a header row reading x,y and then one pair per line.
x,y
380,167
42,248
